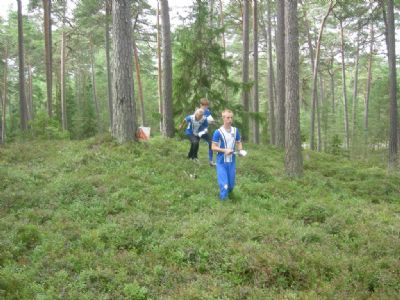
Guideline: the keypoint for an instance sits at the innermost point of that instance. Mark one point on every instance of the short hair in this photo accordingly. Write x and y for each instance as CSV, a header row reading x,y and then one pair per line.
x,y
199,110
204,101
226,111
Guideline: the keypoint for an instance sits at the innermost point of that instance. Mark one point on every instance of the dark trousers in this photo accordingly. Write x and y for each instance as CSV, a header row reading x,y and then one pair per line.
x,y
194,144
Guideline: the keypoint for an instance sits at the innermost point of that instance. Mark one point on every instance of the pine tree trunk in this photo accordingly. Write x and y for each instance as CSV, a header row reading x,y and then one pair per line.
x,y
393,121
310,48
140,92
48,55
346,114
1,120
11,116
211,13
293,156
332,77
210,40
245,69
160,98
309,39
5,94
313,94
84,78
22,97
62,80
57,97
222,25
168,122
368,86
124,126
95,100
81,88
280,75
30,94
355,90
256,126
271,99
324,115
109,79
315,76
319,107
77,77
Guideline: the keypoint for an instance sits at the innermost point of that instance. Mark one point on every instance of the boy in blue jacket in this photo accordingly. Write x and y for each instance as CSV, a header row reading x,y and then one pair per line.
x,y
197,128
204,103
226,140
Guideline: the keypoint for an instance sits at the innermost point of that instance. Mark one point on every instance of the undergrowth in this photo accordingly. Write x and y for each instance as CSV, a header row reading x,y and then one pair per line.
x,y
96,220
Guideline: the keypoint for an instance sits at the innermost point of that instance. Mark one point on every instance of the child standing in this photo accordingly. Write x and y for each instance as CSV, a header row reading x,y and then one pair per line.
x,y
225,141
204,104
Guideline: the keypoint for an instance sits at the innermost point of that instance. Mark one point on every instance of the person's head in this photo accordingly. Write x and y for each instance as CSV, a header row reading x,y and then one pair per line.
x,y
227,117
204,103
199,114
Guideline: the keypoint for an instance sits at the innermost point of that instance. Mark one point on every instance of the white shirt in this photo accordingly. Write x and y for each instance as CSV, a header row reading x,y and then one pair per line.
x,y
229,141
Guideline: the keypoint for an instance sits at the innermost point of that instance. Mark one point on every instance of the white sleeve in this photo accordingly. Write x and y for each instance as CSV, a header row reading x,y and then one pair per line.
x,y
203,132
210,119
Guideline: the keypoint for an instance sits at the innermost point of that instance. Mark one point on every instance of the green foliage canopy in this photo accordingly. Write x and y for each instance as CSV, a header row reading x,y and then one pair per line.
x,y
200,69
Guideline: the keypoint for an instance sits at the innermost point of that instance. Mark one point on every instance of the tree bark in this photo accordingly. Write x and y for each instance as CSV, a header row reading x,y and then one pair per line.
x,y
109,79
208,66
222,20
293,156
245,70
332,80
168,122
355,89
211,13
140,92
393,122
256,126
271,90
11,116
160,98
315,76
78,92
77,88
346,114
222,25
48,55
22,97
62,80
1,120
124,126
94,88
267,33
29,97
324,115
270,78
368,86
313,106
310,47
4,102
280,75
319,108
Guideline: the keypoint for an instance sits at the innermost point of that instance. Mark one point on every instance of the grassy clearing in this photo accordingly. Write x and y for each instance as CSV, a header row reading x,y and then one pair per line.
x,y
95,220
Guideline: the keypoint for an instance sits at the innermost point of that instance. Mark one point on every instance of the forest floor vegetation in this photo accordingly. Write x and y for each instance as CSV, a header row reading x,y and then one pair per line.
x,y
96,220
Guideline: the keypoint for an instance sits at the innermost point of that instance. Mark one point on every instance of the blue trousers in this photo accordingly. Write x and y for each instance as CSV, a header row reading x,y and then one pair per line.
x,y
226,173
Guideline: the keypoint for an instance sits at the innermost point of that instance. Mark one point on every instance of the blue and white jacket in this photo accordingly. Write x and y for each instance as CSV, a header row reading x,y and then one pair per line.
x,y
226,140
207,114
197,128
